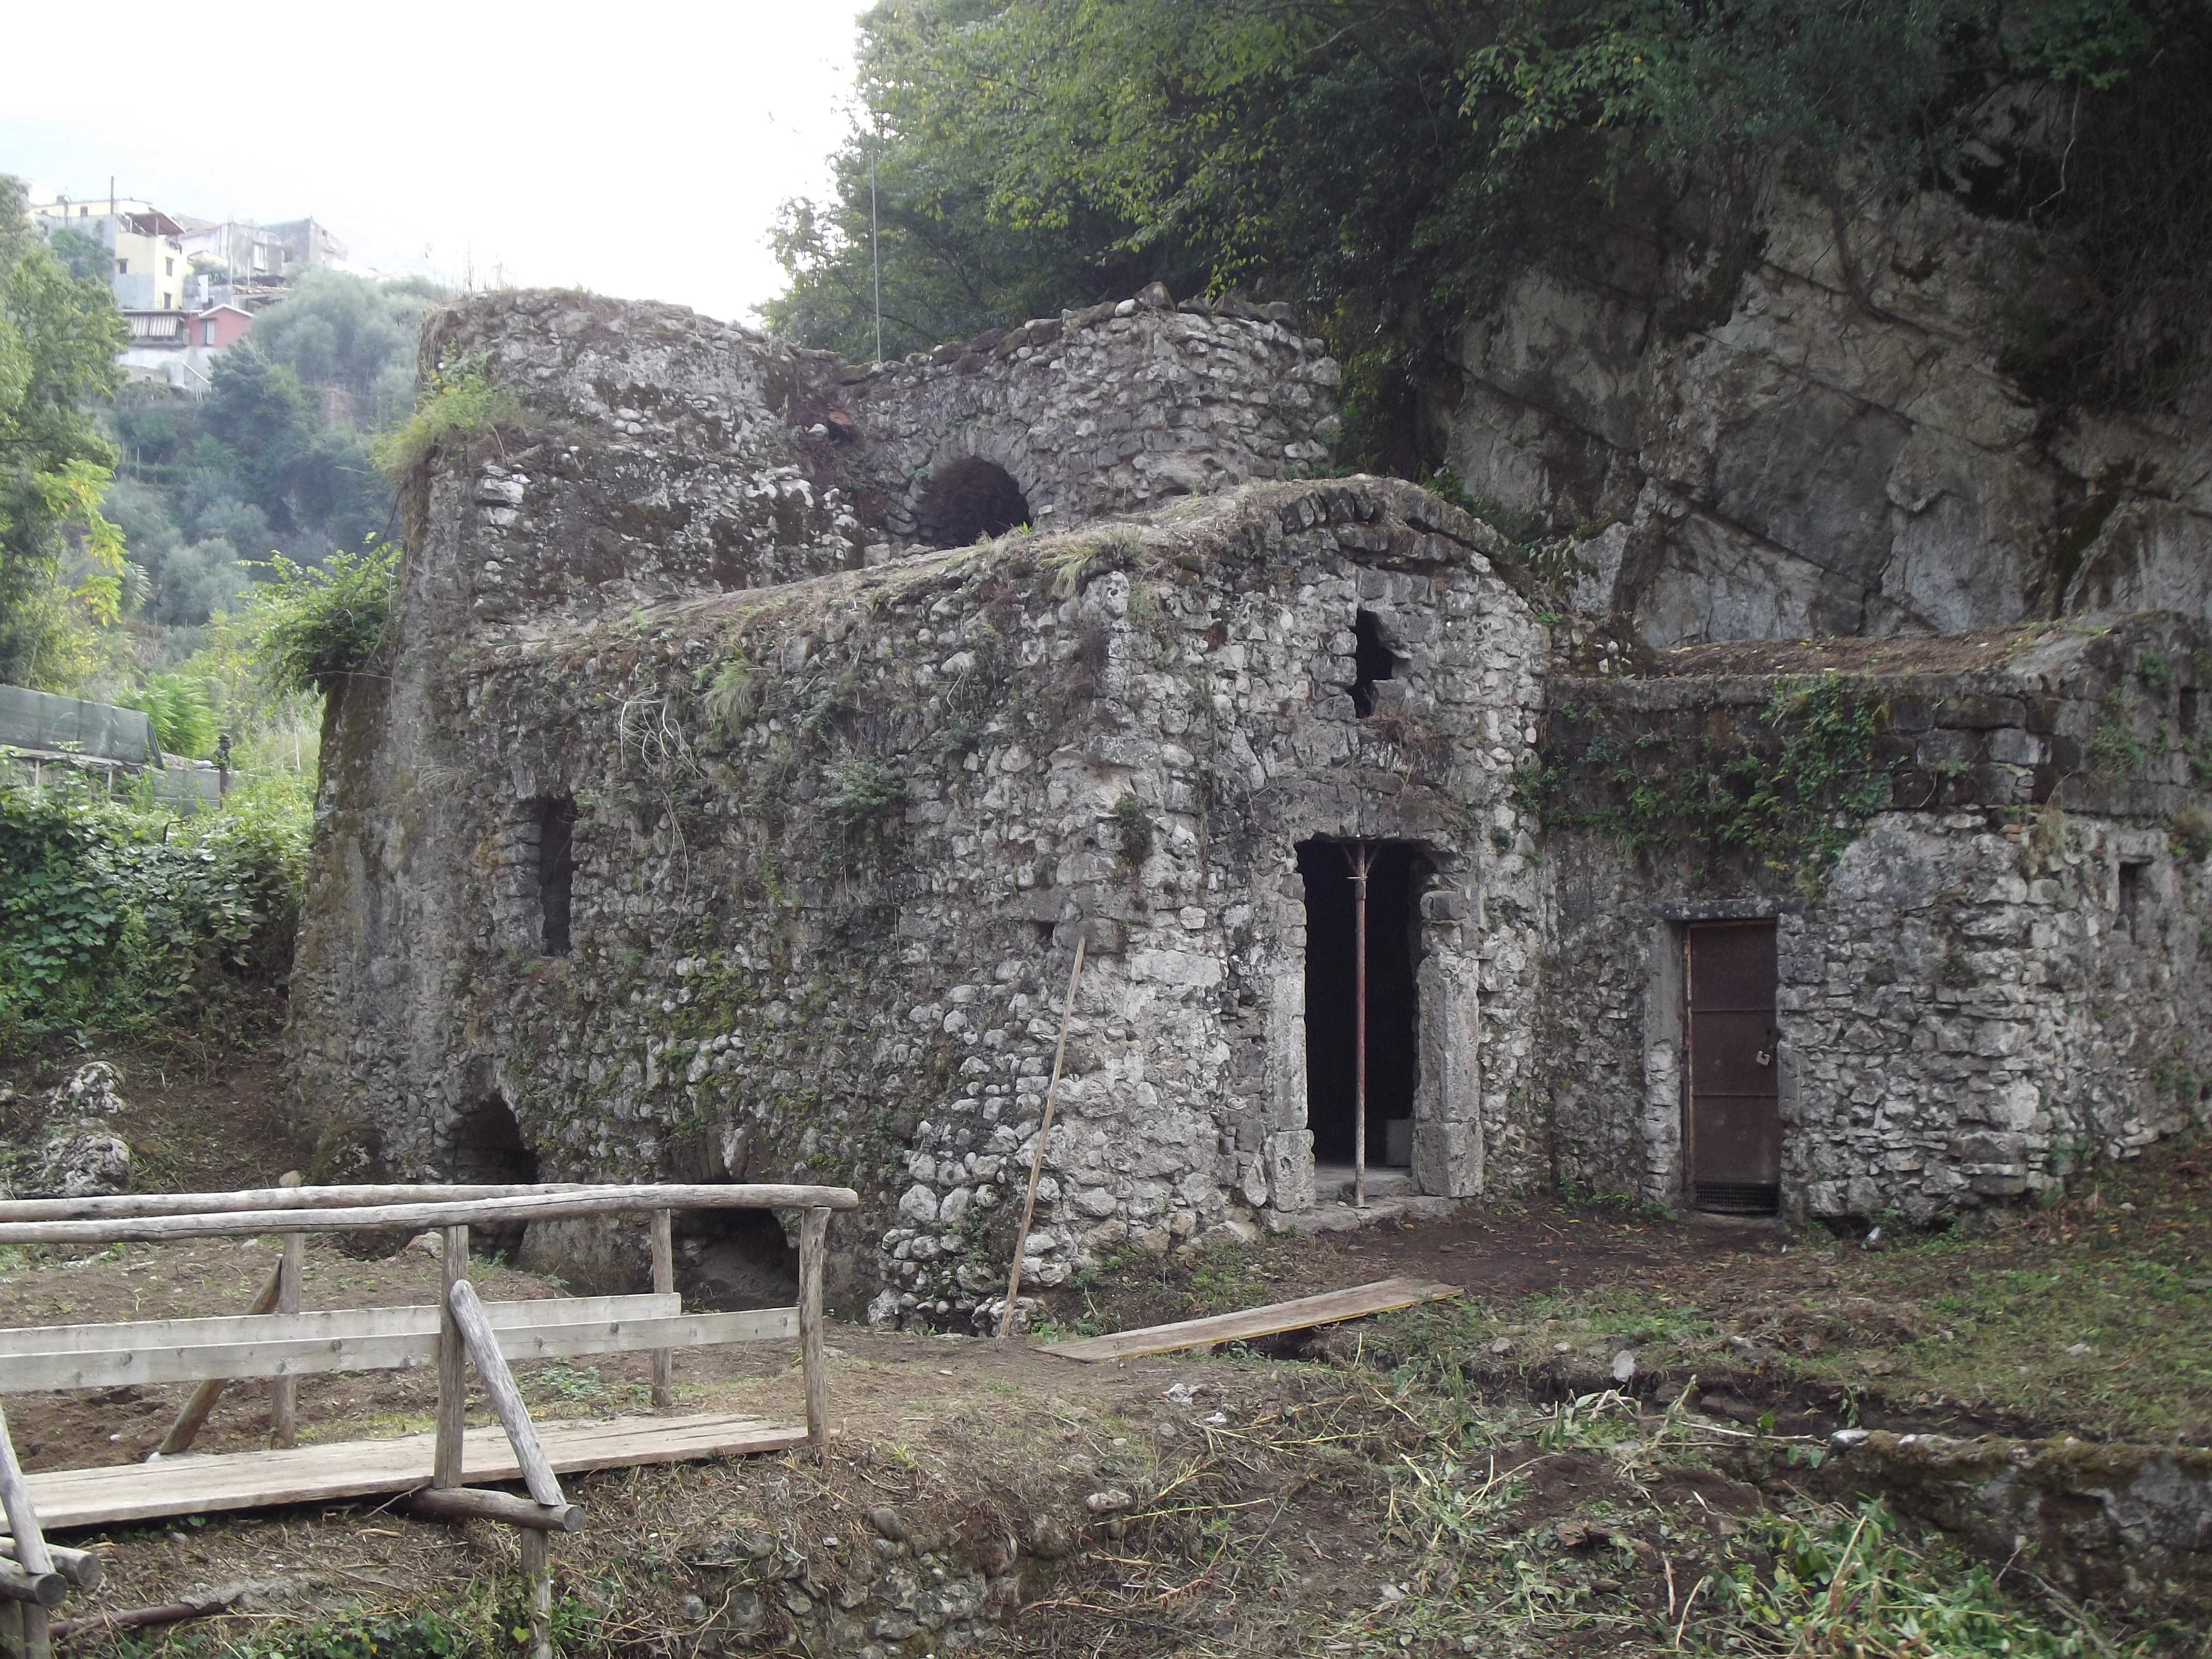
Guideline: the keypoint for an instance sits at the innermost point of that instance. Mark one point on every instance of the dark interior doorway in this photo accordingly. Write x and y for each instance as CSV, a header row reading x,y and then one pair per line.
x,y
1393,887
1735,1118
489,1149
728,1260
967,500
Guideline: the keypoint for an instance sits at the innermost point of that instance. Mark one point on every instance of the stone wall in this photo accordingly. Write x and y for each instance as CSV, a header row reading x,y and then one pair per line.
x,y
833,841
668,454
1796,462
697,827
1103,411
2000,977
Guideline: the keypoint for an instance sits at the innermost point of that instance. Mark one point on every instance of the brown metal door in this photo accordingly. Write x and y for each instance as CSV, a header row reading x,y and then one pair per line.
x,y
1736,1121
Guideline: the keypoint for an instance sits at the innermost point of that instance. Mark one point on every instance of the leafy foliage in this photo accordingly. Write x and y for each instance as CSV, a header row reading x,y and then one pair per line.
x,y
1852,1584
862,788
1393,165
1787,800
60,559
424,1634
314,627
117,924
459,404
182,713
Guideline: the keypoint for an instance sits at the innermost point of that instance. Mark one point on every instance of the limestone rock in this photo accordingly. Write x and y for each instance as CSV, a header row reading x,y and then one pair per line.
x,y
79,1153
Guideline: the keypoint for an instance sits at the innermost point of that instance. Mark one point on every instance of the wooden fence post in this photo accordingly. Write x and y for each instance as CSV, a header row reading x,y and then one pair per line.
x,y
452,1364
663,1282
284,1391
537,1576
813,1241
33,1564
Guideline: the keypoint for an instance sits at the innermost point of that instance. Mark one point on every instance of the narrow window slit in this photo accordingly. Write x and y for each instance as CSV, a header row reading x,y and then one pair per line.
x,y
555,820
1372,660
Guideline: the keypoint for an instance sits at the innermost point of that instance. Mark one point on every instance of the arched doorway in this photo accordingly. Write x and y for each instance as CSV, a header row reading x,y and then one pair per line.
x,y
967,500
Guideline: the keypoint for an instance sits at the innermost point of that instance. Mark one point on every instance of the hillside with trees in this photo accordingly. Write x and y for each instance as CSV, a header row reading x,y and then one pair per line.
x,y
1392,166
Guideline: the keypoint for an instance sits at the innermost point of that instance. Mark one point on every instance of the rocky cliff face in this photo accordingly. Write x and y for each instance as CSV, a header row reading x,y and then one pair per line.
x,y
1815,463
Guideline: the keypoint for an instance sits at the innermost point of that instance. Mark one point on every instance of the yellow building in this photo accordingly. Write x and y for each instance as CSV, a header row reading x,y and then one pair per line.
x,y
145,250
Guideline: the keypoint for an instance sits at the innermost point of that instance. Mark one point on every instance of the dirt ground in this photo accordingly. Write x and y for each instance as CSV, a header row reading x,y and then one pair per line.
x,y
1470,1476
2092,1316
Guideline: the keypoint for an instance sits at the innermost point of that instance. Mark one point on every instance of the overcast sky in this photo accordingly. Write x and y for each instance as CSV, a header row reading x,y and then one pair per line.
x,y
637,149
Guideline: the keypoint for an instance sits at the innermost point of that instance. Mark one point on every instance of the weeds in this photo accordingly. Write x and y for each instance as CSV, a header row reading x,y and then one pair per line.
x,y
458,405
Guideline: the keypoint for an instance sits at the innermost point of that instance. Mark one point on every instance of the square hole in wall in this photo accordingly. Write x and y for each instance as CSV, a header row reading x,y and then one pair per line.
x,y
2133,897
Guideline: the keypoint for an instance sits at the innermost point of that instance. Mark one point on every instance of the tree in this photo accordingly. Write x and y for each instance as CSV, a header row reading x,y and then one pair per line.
x,y
60,561
347,334
1391,165
264,421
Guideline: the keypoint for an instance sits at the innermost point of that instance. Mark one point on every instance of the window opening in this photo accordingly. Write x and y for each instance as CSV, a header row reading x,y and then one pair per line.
x,y
967,500
1372,660
1396,874
2133,879
556,818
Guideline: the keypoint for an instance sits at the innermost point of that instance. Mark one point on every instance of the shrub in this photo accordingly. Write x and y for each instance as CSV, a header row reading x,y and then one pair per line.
x,y
458,405
861,788
181,711
2190,833
314,627
120,925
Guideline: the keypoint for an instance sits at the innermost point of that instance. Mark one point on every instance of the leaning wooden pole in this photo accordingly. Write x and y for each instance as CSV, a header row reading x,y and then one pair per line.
x,y
190,1420
30,1581
1044,1128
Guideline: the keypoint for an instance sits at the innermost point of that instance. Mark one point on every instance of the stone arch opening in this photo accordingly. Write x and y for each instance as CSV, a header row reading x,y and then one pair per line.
x,y
967,500
489,1146
728,1260
489,1149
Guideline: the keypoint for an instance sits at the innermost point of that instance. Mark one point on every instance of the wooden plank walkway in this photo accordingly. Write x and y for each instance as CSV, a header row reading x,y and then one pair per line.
x,y
1357,1302
202,1483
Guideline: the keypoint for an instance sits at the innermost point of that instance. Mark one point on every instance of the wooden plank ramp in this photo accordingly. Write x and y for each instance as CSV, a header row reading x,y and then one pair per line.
x,y
1381,1296
202,1483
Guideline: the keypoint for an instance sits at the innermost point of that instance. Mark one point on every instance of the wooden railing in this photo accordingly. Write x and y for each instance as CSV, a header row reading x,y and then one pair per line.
x,y
277,1341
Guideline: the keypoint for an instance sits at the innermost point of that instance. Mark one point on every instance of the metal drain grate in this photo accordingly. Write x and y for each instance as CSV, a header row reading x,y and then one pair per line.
x,y
1725,1200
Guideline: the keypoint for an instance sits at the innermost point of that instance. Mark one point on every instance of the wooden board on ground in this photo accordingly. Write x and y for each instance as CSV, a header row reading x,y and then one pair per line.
x,y
1357,1303
204,1482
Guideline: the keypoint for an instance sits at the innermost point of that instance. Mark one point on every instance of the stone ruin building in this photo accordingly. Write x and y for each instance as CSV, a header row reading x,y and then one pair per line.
x,y
758,732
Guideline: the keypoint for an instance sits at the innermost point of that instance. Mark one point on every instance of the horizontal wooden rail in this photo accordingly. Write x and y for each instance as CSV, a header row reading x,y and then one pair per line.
x,y
127,1206
407,1319
474,1504
562,1205
330,1343
81,1567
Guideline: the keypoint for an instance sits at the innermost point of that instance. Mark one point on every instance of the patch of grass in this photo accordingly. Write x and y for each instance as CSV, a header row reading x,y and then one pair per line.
x,y
458,406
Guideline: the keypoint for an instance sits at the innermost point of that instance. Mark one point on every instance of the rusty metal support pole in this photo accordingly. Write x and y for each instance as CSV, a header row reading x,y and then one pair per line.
x,y
1362,858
